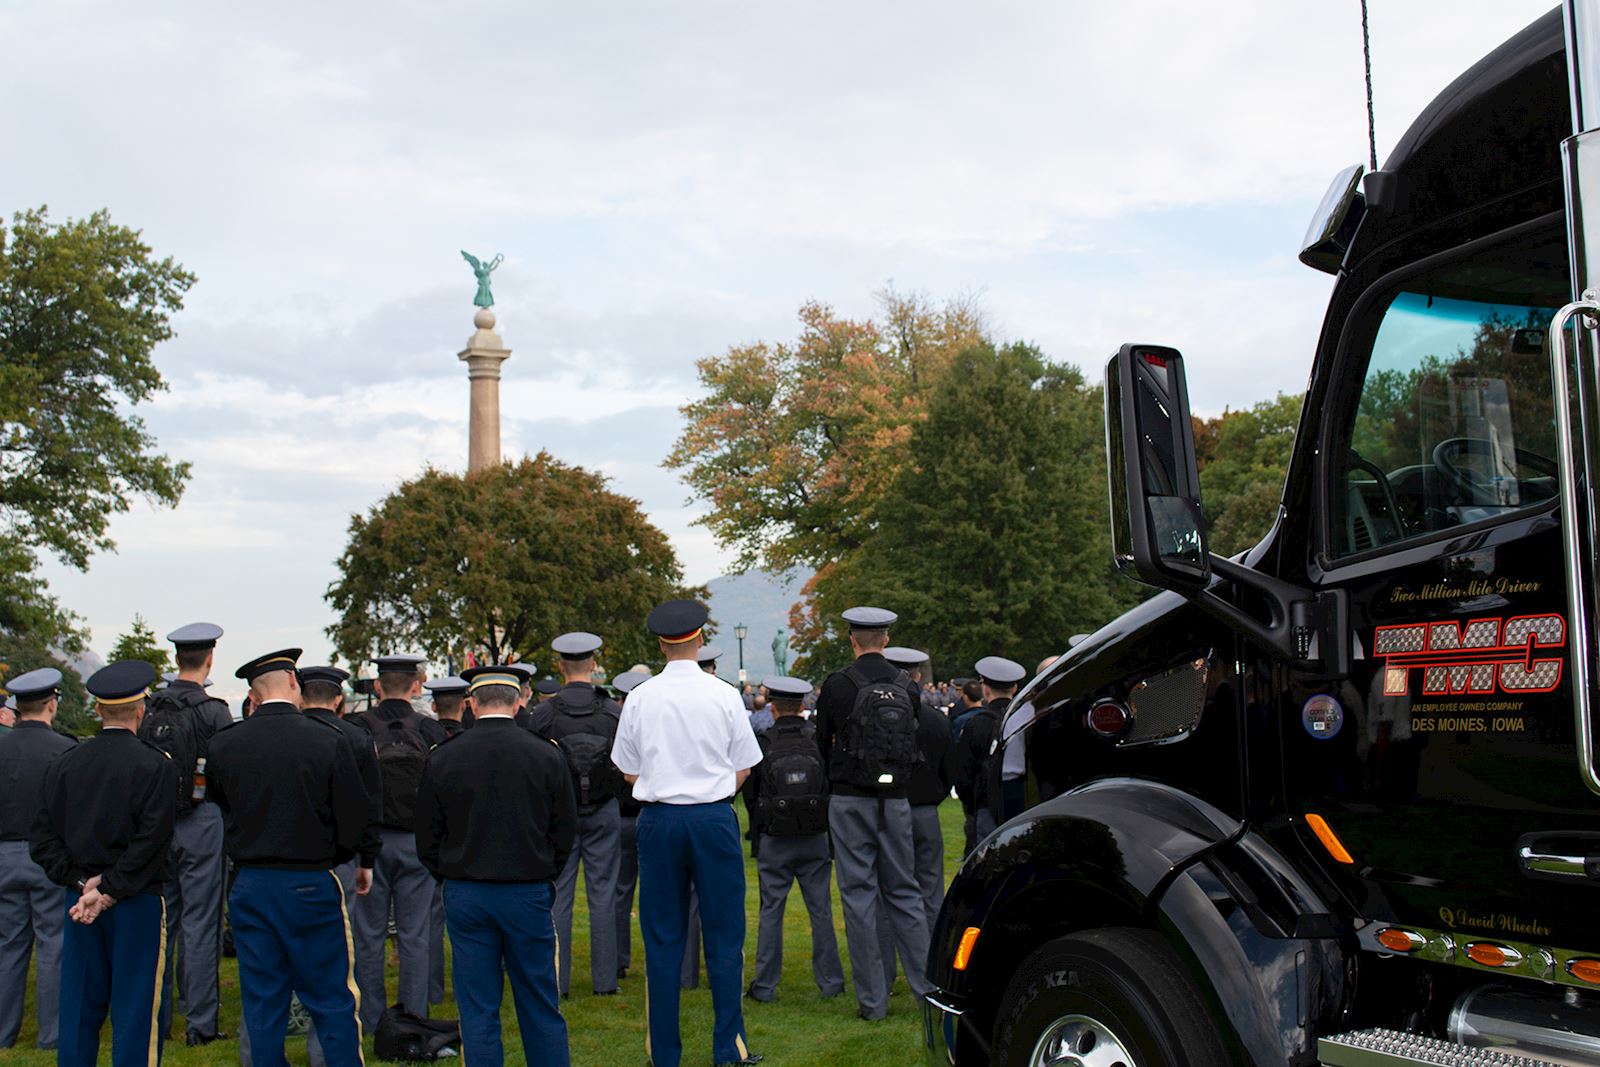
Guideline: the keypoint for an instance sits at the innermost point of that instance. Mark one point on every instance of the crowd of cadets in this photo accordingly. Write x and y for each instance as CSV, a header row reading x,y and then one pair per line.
x,y
114,853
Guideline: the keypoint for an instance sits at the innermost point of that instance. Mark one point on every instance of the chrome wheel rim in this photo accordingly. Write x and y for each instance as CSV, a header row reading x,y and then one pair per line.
x,y
1079,1041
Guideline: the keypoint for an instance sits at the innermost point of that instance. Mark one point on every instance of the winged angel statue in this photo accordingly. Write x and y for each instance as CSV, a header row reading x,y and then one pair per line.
x,y
482,270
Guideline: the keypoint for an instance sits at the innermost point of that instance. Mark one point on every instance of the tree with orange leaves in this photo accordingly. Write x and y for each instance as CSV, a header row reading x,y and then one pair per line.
x,y
794,442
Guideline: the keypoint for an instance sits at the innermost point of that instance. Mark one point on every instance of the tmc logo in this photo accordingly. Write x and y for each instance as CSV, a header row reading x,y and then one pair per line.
x,y
1472,657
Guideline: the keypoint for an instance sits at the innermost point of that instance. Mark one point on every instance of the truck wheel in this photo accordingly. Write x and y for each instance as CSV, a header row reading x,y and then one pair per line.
x,y
1105,998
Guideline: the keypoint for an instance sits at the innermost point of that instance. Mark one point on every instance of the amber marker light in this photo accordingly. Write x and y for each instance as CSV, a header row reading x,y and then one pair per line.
x,y
1585,970
1329,839
1399,940
969,938
1486,955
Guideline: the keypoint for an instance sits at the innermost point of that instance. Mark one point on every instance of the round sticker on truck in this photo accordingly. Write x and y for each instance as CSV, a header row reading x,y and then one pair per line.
x,y
1323,717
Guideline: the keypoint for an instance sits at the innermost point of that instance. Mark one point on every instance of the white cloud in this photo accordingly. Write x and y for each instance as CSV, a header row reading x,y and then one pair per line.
x,y
665,181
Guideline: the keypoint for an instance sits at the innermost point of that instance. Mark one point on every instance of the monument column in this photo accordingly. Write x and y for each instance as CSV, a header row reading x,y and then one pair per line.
x,y
483,355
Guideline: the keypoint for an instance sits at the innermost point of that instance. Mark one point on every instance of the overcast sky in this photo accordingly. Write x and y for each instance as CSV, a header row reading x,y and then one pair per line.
x,y
664,180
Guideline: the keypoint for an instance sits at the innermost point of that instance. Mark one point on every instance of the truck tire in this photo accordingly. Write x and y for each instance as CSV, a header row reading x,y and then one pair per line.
x,y
1104,998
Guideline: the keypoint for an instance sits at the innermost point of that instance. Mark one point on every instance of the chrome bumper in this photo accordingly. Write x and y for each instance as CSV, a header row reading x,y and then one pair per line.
x,y
940,1017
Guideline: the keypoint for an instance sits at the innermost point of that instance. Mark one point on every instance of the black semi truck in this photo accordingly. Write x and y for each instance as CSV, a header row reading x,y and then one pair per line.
x,y
1335,800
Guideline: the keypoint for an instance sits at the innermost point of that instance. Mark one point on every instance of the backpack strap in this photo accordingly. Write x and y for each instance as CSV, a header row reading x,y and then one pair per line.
x,y
855,674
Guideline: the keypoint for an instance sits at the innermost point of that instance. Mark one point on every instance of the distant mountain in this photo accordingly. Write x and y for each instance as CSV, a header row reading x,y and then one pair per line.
x,y
761,600
85,663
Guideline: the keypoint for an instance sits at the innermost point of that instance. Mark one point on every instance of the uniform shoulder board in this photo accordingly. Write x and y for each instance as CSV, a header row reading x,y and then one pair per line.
x,y
155,748
449,738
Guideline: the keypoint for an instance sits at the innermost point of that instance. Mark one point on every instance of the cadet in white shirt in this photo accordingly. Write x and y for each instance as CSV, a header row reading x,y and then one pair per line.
x,y
686,746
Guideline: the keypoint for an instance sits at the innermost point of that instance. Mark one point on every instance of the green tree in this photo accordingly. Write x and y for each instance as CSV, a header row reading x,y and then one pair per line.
x,y
1244,458
995,540
26,606
794,441
501,562
82,306
20,653
140,642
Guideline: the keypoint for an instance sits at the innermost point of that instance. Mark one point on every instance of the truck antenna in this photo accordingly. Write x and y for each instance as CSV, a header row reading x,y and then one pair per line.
x,y
1366,54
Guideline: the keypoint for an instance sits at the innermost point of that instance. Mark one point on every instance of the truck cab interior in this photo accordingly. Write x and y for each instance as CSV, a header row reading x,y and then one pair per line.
x,y
1452,422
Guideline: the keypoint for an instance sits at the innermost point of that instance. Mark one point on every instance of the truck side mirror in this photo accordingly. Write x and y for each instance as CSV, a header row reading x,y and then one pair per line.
x,y
1157,527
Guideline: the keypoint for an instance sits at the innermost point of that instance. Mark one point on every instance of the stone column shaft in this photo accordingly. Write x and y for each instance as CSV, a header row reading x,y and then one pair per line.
x,y
483,355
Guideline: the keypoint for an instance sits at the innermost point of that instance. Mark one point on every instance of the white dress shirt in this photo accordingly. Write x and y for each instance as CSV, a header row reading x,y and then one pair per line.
x,y
686,734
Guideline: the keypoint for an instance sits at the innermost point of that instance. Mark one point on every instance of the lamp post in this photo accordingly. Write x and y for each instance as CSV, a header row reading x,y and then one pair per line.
x,y
741,631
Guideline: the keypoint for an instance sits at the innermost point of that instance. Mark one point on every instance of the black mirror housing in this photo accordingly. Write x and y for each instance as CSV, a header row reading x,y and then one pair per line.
x,y
1157,525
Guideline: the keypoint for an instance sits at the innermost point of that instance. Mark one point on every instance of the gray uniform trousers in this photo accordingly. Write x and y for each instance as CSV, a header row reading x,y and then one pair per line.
x,y
627,883
399,878
599,846
782,862
927,838
346,873
194,916
32,909
873,852
983,825
436,947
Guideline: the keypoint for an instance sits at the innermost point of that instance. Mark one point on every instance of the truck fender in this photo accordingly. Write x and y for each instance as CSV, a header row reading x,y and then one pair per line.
x,y
1263,952
1096,855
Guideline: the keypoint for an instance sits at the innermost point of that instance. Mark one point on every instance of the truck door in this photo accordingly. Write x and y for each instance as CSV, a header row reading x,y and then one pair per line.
x,y
1445,764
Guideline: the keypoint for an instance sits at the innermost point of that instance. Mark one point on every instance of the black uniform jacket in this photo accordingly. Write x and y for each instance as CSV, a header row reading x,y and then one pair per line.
x,y
451,727
367,763
931,780
834,704
109,805
289,789
972,753
496,805
24,754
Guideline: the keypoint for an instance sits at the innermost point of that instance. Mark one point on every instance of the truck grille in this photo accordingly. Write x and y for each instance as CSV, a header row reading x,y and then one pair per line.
x,y
1394,1048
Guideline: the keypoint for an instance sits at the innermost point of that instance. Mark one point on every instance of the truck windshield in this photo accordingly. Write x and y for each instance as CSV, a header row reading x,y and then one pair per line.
x,y
1454,421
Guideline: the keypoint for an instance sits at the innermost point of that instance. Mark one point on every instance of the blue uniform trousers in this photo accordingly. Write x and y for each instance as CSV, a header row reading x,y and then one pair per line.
x,y
684,845
113,965
293,935
499,930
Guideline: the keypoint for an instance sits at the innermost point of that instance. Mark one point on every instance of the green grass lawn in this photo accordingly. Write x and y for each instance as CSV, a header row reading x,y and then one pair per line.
x,y
799,1028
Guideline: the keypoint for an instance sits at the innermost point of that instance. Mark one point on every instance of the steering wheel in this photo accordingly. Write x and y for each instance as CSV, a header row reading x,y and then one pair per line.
x,y
1471,482
1360,462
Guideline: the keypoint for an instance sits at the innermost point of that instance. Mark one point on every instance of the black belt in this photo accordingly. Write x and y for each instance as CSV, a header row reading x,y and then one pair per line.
x,y
696,804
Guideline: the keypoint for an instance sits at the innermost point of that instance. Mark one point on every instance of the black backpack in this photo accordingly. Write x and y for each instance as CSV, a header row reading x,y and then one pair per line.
x,y
880,736
402,752
794,784
404,1036
171,724
588,751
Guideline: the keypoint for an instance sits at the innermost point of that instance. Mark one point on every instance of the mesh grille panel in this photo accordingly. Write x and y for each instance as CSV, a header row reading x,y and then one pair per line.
x,y
1167,704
